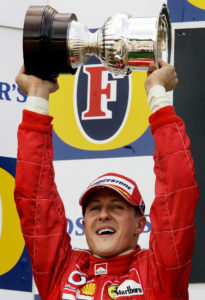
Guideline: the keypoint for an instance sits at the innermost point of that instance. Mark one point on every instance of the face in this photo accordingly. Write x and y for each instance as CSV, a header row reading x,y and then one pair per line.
x,y
110,224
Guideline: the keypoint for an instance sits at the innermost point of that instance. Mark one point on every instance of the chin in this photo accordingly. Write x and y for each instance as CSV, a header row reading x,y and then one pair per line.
x,y
105,253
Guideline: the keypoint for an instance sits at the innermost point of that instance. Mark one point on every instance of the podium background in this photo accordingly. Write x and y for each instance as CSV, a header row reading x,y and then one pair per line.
x,y
128,150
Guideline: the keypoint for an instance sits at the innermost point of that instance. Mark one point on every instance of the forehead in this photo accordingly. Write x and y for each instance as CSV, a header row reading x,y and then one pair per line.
x,y
103,195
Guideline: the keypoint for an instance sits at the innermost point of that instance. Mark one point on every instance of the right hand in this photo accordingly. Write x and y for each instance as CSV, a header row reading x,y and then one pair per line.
x,y
33,86
165,76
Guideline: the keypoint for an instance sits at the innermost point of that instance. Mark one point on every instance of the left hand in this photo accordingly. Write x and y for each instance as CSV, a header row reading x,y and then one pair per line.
x,y
33,86
165,76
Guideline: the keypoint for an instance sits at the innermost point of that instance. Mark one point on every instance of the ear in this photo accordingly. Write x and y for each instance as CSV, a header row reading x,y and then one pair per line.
x,y
83,222
140,224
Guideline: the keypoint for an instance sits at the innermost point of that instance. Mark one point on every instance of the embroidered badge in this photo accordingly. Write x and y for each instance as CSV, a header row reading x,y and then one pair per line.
x,y
101,269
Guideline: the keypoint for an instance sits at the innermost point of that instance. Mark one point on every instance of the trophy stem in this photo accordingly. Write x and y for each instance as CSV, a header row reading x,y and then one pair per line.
x,y
81,44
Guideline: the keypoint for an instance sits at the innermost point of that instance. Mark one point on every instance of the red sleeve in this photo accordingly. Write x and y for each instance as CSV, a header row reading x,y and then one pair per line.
x,y
172,212
39,205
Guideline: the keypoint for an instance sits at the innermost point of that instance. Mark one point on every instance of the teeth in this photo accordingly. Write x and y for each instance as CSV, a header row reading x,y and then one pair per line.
x,y
106,231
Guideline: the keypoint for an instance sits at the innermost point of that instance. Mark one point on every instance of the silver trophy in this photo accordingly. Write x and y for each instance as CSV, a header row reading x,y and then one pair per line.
x,y
58,44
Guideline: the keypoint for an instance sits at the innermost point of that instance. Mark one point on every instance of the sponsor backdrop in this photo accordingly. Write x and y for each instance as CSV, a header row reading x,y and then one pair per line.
x,y
190,94
109,120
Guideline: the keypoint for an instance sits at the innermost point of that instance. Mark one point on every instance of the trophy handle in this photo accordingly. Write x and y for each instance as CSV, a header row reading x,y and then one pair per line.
x,y
165,16
45,42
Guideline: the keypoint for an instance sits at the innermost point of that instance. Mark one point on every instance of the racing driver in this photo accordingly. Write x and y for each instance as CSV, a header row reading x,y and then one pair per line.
x,y
114,267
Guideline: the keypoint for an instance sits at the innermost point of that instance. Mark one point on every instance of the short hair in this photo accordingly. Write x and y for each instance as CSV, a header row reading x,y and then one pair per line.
x,y
137,210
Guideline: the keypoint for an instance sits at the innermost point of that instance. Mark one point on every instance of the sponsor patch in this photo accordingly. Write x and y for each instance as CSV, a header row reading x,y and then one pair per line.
x,y
88,289
126,185
77,278
127,288
112,291
101,269
68,297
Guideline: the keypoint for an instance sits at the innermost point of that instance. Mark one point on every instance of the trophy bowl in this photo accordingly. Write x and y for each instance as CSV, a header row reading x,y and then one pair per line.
x,y
55,43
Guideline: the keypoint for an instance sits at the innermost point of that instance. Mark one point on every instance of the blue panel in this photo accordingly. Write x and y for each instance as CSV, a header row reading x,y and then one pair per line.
x,y
143,146
20,277
192,13
8,164
37,297
183,11
176,8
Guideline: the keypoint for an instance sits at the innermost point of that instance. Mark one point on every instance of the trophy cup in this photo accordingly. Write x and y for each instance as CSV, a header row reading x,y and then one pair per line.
x,y
55,43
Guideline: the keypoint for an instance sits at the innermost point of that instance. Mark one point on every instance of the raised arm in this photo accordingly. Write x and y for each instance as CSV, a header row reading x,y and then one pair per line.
x,y
40,208
172,212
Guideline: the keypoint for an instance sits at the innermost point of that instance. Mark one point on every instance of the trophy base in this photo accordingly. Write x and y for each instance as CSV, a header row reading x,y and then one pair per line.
x,y
44,42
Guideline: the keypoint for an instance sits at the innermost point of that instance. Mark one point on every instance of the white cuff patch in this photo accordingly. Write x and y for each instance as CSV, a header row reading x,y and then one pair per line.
x,y
157,98
37,104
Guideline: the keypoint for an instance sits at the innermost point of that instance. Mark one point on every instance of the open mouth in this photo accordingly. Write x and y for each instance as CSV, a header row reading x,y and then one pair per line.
x,y
106,231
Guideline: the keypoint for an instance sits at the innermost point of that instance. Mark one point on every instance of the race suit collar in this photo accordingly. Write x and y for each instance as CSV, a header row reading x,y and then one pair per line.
x,y
112,266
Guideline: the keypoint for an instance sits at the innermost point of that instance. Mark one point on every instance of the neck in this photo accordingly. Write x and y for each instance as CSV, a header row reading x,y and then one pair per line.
x,y
111,265
123,253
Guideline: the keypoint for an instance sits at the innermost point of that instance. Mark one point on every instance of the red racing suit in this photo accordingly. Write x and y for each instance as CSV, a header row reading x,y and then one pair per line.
x,y
60,272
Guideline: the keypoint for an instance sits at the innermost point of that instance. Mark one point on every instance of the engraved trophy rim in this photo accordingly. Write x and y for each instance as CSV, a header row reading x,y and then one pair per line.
x,y
164,13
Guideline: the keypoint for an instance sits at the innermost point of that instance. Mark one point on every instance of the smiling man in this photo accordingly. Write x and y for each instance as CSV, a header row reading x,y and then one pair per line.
x,y
114,267
112,221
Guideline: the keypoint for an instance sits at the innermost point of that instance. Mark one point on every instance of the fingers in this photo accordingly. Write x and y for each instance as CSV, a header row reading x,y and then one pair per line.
x,y
152,67
20,74
165,76
20,78
34,86
162,63
22,70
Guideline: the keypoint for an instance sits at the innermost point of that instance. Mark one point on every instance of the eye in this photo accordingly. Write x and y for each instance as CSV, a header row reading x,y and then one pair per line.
x,y
118,206
94,208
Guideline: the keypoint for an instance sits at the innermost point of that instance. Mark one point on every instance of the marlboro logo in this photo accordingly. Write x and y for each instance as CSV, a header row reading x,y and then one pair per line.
x,y
101,269
129,288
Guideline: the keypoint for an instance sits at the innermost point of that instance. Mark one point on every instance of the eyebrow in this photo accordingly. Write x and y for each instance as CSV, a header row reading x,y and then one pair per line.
x,y
98,201
93,201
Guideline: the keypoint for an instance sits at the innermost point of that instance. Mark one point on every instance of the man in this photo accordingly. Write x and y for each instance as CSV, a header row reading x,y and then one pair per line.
x,y
114,267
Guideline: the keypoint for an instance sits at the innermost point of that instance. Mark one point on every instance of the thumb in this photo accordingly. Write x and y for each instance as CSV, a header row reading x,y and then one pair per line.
x,y
162,63
22,70
152,67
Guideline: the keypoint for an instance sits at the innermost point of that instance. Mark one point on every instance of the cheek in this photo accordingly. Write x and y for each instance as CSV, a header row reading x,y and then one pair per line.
x,y
88,225
128,225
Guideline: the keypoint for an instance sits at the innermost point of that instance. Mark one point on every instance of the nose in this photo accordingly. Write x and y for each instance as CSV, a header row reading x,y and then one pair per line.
x,y
104,214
